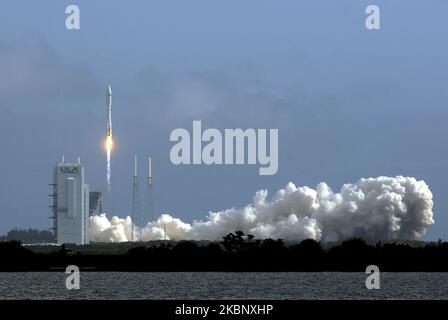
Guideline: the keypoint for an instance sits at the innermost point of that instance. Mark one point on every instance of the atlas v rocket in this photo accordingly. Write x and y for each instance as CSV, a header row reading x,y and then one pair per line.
x,y
109,140
109,113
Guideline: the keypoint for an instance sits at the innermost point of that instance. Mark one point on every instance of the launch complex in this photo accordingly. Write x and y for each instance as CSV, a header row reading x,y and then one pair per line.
x,y
73,203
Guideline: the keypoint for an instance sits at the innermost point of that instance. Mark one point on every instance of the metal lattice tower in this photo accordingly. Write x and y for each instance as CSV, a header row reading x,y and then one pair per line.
x,y
54,206
135,203
54,209
150,196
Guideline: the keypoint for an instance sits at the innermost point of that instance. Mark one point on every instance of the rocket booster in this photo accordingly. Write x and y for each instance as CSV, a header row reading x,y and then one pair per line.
x,y
109,112
109,141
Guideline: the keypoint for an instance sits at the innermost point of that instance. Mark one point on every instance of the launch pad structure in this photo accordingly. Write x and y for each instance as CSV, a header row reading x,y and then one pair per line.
x,y
141,220
73,204
149,195
135,203
70,205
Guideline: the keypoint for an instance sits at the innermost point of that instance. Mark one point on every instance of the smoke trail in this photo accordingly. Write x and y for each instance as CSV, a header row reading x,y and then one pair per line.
x,y
108,171
394,207
109,144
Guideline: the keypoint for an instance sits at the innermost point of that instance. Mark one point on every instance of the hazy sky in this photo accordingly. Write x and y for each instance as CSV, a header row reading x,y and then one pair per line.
x,y
348,102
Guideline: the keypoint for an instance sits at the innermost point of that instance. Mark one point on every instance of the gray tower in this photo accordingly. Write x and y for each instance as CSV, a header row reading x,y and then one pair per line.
x,y
150,196
135,203
70,203
95,203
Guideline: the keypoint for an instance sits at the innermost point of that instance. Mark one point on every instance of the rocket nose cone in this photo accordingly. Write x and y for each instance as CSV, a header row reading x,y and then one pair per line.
x,y
109,90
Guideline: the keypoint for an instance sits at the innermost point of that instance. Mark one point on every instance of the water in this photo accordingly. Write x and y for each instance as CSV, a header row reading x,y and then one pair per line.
x,y
222,285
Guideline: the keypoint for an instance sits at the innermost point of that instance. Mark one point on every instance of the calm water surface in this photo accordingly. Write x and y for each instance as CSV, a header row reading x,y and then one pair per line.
x,y
222,285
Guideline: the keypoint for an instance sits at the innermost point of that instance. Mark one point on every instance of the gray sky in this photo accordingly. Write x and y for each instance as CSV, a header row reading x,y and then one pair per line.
x,y
348,102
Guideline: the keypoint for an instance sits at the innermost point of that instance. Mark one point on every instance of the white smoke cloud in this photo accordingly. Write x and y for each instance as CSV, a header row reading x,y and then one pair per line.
x,y
397,207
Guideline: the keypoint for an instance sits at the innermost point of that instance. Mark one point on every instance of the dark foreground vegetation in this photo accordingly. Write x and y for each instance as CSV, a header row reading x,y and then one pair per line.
x,y
236,252
29,236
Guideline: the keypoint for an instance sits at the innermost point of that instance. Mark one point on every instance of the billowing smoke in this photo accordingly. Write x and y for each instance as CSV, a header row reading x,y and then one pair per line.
x,y
373,209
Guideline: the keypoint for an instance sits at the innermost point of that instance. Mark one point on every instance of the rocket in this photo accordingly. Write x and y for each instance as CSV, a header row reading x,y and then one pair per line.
x,y
109,141
109,113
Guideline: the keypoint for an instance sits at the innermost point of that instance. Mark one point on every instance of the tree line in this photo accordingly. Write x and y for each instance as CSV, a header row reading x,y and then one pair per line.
x,y
30,236
236,252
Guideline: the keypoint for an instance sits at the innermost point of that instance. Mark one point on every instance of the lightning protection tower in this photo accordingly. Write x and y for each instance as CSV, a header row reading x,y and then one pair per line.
x,y
135,203
149,194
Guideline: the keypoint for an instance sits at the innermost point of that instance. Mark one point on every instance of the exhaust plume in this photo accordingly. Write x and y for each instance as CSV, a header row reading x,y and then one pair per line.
x,y
374,209
109,144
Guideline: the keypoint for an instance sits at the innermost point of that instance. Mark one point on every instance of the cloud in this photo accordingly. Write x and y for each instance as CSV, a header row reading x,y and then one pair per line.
x,y
375,208
217,95
33,70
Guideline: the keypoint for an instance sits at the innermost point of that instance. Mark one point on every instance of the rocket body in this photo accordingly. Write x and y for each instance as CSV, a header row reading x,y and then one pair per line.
x,y
109,112
109,140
